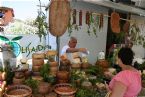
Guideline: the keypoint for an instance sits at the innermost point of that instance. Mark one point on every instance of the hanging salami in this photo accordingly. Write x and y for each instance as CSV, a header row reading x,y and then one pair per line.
x,y
101,21
87,18
80,18
59,14
126,25
115,24
74,16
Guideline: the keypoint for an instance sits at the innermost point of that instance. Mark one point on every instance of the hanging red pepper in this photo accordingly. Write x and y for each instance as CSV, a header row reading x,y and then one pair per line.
x,y
74,16
87,18
80,18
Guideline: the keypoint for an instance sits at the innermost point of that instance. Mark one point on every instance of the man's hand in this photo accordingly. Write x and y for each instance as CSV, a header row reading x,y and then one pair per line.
x,y
83,50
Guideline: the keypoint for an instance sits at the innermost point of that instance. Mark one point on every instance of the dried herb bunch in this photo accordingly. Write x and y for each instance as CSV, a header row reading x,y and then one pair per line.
x,y
40,23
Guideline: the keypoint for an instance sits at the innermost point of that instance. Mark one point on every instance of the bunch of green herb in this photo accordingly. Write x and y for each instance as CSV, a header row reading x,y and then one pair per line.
x,y
84,92
10,74
31,83
44,72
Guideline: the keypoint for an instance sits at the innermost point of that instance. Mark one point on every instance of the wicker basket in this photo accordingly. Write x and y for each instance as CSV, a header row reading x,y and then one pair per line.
x,y
38,56
65,90
18,91
51,53
44,87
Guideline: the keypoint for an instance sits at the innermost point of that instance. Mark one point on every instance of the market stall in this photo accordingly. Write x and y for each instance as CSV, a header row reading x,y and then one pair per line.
x,y
80,74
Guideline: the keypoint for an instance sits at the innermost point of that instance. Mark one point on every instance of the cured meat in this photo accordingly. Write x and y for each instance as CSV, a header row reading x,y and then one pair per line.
x,y
87,18
59,14
126,27
115,22
80,18
74,16
101,21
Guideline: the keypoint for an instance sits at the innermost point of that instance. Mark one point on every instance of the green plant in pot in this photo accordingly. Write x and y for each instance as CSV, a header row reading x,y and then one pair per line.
x,y
10,74
33,84
44,72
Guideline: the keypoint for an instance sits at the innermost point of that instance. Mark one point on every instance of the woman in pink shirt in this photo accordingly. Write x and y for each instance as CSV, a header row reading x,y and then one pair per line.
x,y
126,83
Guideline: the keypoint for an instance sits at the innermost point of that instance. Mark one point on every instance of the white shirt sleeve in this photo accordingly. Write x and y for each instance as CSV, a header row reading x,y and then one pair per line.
x,y
63,51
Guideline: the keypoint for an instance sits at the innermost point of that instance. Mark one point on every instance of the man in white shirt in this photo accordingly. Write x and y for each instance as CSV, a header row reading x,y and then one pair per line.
x,y
71,47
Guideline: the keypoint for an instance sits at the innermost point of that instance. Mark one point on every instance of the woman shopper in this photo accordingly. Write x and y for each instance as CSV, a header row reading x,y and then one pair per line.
x,y
127,83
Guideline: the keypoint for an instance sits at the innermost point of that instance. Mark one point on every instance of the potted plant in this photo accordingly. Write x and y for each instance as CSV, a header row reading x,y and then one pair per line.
x,y
45,73
33,84
45,86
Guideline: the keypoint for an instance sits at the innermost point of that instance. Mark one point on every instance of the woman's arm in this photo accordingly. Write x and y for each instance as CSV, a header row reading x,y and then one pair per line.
x,y
118,89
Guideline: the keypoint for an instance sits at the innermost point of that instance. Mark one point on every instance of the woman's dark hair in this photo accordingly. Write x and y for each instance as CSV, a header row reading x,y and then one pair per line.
x,y
126,55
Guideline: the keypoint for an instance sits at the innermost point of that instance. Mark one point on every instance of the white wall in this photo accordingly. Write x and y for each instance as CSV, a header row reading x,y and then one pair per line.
x,y
93,44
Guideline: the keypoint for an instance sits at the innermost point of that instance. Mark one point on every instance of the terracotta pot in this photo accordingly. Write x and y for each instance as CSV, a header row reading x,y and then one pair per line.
x,y
44,87
53,64
65,62
103,63
36,73
53,73
19,75
62,75
64,68
52,94
85,65
62,81
53,69
36,68
27,74
18,81
76,66
37,62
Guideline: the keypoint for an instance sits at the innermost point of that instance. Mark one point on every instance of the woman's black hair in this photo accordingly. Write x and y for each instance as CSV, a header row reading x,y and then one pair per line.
x,y
126,55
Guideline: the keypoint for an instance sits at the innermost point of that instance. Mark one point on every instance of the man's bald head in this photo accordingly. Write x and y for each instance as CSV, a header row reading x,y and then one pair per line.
x,y
72,42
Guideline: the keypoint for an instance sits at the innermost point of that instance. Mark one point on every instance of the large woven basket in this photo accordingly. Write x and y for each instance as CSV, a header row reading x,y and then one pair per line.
x,y
18,91
59,14
65,90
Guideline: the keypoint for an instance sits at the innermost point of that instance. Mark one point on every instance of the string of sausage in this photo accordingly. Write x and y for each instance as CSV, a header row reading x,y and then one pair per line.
x,y
115,24
80,18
